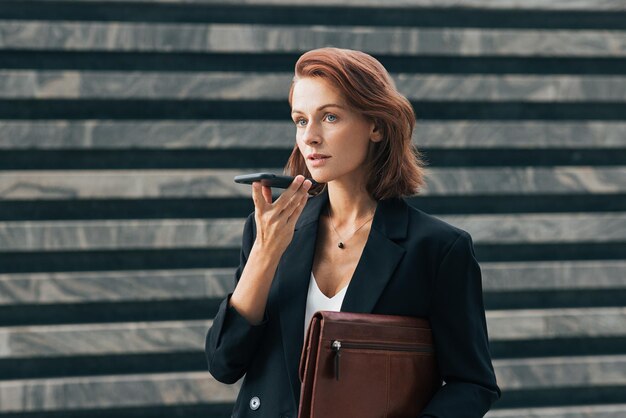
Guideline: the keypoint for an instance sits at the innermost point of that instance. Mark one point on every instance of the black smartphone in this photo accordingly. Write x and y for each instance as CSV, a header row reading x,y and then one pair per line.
x,y
268,179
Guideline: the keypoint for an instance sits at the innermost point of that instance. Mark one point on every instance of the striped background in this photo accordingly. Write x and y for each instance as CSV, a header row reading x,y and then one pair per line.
x,y
122,124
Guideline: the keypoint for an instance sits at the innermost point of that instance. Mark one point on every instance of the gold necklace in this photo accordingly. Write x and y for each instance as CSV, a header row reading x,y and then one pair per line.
x,y
341,244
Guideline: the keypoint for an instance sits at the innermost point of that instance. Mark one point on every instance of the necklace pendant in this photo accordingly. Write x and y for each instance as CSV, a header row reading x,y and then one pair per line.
x,y
340,245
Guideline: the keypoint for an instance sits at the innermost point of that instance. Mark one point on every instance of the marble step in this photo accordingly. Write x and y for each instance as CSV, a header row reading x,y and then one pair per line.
x,y
586,5
122,286
112,392
177,135
102,339
532,324
27,84
223,233
99,392
234,38
564,372
553,276
167,285
411,15
218,183
580,411
537,285
23,342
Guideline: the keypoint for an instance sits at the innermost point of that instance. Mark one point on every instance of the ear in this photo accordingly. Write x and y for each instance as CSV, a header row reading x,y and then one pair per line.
x,y
375,132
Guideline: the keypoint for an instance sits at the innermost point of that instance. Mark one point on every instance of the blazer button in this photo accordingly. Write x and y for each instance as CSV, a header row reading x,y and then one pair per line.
x,y
255,403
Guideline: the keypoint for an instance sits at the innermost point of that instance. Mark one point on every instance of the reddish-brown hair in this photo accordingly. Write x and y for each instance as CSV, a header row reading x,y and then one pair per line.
x,y
395,166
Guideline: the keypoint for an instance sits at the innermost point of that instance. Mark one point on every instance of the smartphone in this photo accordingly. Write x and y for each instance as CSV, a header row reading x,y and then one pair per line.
x,y
268,179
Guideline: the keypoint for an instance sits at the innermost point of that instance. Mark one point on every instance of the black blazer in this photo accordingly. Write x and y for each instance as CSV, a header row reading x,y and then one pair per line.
x,y
413,264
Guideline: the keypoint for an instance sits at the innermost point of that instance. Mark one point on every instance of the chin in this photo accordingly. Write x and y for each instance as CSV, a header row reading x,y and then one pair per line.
x,y
320,178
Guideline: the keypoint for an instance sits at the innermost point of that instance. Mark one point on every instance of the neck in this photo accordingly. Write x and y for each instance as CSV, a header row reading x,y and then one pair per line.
x,y
349,205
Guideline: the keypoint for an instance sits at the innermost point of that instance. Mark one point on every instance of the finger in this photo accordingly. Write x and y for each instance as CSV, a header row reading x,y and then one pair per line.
x,y
257,197
267,193
299,200
285,197
297,211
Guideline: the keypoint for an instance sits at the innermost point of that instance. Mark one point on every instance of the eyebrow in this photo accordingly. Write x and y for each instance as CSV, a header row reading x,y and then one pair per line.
x,y
321,107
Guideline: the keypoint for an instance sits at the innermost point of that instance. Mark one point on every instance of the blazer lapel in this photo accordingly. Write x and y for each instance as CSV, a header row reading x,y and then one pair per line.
x,y
380,257
374,269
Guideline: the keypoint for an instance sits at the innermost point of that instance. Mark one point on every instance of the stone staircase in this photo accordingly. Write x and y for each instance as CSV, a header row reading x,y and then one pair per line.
x,y
122,124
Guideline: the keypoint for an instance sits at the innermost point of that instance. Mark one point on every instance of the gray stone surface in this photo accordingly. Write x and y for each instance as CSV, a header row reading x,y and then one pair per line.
x,y
176,336
96,36
113,391
582,411
518,325
179,183
226,233
27,84
115,286
123,184
164,134
543,228
553,275
527,180
550,372
487,4
101,339
171,388
114,234
151,285
168,134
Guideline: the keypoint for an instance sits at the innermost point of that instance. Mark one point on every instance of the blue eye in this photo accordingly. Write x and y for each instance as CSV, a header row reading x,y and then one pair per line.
x,y
298,122
331,116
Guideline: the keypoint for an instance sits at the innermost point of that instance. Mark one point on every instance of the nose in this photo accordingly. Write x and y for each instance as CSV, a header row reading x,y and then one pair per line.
x,y
312,134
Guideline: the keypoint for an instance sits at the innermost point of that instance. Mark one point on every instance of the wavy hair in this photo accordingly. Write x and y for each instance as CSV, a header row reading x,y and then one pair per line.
x,y
395,167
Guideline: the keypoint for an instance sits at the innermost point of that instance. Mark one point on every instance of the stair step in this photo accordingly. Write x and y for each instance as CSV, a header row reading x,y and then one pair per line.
x,y
596,373
230,38
257,135
580,411
428,15
226,233
103,339
548,372
586,5
23,342
26,84
538,276
92,235
115,286
218,183
75,393
556,323
163,285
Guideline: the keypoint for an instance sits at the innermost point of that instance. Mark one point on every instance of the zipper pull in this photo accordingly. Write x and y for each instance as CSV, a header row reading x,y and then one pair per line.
x,y
336,347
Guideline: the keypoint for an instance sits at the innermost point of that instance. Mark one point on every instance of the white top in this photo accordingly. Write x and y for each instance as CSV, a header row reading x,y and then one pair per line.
x,y
317,301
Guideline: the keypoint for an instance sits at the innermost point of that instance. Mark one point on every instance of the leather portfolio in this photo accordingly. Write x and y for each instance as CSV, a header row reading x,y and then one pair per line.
x,y
366,366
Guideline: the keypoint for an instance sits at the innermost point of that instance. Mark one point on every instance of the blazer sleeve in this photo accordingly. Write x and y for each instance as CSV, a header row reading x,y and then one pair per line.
x,y
232,341
459,328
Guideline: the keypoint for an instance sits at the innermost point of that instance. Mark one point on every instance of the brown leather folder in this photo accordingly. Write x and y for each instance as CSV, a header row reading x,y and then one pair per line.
x,y
367,366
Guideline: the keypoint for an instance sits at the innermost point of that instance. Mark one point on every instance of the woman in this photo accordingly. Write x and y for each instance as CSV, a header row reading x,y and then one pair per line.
x,y
354,245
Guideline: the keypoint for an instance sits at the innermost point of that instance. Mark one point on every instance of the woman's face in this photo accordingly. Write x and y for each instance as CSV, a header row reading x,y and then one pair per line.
x,y
325,124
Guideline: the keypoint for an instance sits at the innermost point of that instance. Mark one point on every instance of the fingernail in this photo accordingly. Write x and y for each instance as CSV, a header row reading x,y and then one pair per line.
x,y
307,183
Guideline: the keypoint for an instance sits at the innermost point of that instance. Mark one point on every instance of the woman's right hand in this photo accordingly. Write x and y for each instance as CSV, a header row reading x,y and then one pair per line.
x,y
276,221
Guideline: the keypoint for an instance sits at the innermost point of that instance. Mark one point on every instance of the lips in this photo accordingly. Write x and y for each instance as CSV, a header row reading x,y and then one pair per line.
x,y
317,156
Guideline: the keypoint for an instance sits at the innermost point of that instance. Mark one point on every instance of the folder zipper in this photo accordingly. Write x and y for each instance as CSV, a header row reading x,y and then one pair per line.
x,y
337,345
